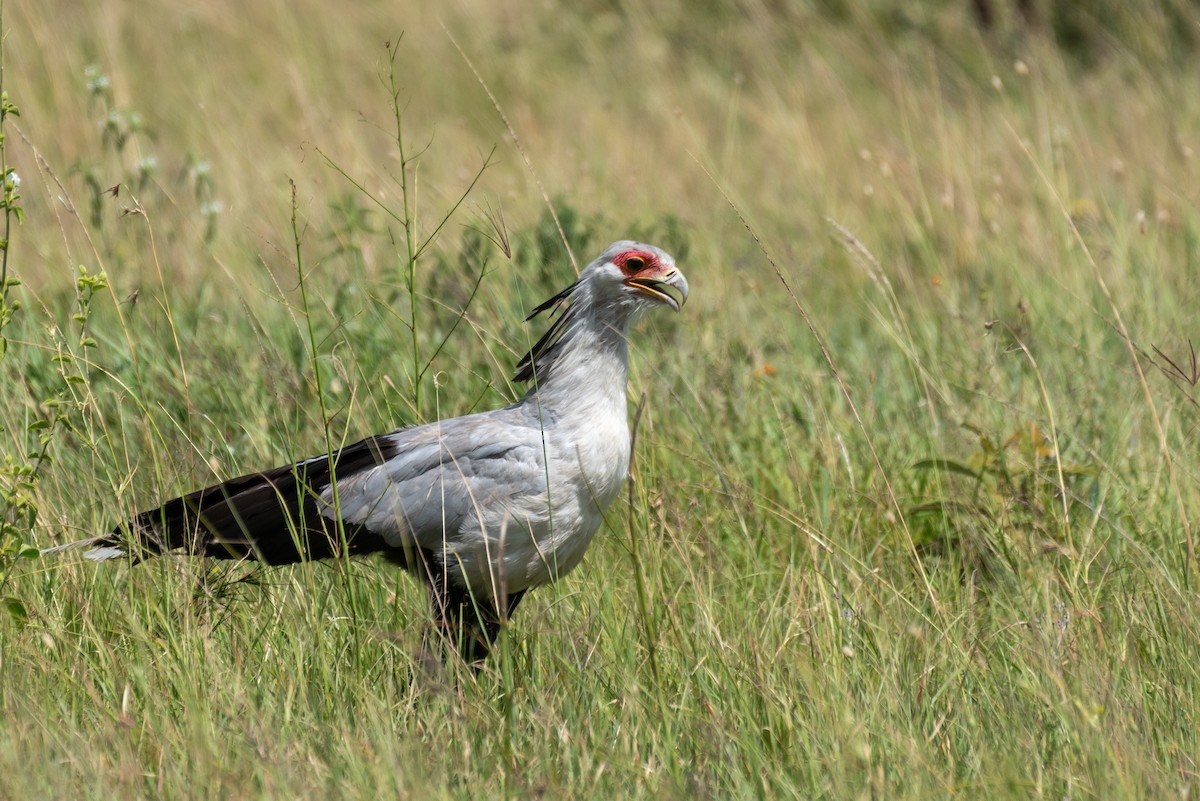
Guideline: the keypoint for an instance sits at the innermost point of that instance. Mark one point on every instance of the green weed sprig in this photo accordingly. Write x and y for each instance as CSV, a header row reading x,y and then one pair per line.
x,y
18,477
415,243
10,207
22,468
130,163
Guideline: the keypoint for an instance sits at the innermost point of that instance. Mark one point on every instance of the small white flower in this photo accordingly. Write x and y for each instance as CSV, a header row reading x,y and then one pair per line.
x,y
96,81
14,179
212,208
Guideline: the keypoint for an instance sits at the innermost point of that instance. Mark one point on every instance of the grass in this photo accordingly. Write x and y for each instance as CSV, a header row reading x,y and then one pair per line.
x,y
935,545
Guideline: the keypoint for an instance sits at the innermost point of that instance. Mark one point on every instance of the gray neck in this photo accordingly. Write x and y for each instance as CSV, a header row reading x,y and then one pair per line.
x,y
586,370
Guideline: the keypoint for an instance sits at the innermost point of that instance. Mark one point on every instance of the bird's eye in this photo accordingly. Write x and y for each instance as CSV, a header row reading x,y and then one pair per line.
x,y
634,263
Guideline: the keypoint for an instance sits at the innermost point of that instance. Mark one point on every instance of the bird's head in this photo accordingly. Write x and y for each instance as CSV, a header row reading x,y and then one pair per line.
x,y
625,281
635,278
628,278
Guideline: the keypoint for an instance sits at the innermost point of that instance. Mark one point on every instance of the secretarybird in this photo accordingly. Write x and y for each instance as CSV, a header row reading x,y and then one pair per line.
x,y
484,507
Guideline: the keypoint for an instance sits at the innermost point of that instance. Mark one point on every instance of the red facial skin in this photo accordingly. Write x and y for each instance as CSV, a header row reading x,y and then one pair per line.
x,y
649,261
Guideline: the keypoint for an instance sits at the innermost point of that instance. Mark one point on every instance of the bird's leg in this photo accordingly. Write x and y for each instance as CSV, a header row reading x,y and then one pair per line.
x,y
511,603
468,623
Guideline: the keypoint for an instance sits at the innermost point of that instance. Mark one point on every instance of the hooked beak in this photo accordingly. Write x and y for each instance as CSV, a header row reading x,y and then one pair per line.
x,y
658,289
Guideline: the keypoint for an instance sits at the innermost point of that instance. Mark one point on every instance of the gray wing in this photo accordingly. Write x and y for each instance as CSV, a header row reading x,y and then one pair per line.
x,y
448,481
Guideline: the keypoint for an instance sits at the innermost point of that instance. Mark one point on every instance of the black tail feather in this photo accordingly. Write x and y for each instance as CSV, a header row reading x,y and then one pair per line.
x,y
272,516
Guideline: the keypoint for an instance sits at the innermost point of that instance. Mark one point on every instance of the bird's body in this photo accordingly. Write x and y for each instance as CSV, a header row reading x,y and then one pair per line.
x,y
483,507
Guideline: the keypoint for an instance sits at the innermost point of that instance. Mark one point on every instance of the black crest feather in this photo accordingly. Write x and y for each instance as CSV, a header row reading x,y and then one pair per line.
x,y
542,352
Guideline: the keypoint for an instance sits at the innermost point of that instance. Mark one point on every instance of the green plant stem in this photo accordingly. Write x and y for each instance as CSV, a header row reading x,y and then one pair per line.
x,y
343,542
410,239
649,629
4,175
